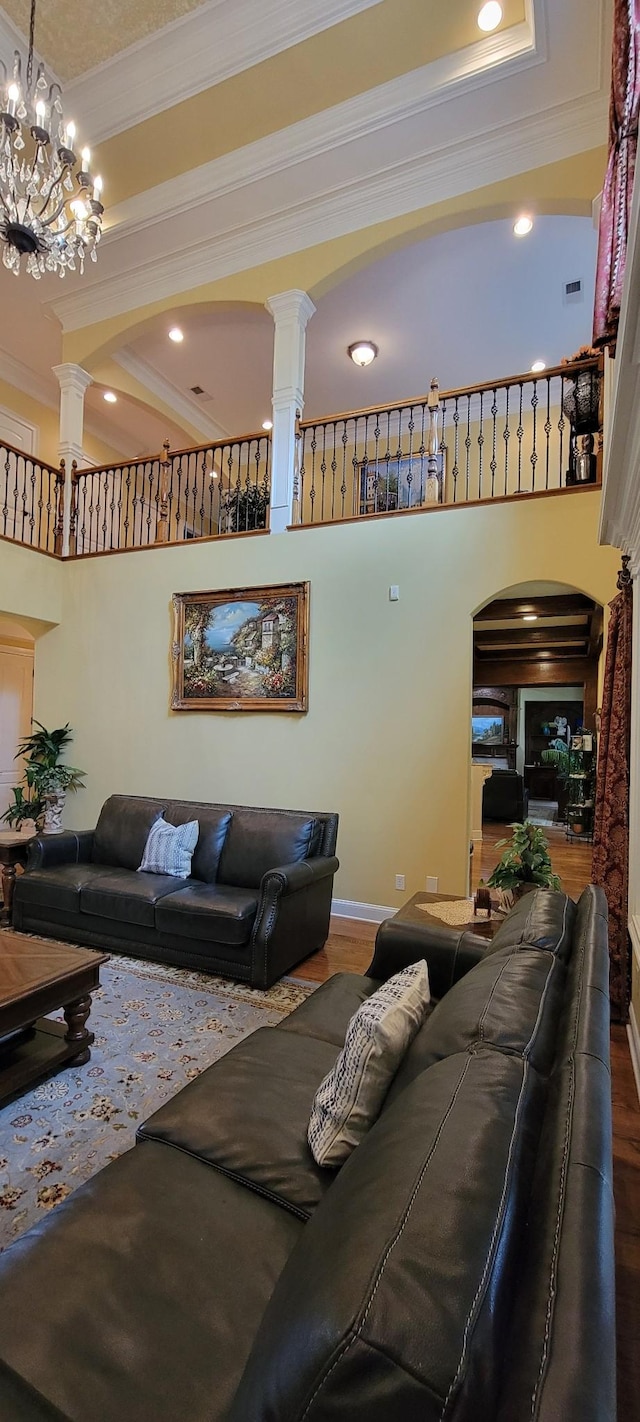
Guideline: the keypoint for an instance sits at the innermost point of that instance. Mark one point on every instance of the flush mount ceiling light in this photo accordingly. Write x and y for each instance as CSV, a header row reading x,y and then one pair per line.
x,y
362,352
490,15
523,225
537,366
529,617
176,335
267,424
47,215
110,398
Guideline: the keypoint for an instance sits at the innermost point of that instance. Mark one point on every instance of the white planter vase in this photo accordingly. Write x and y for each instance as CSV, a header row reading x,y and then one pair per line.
x,y
53,812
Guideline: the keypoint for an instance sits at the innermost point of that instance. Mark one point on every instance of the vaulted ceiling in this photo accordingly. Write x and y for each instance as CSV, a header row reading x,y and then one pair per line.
x,y
235,133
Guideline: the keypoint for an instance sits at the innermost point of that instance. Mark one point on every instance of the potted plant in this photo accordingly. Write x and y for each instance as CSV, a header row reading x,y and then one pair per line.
x,y
525,864
47,780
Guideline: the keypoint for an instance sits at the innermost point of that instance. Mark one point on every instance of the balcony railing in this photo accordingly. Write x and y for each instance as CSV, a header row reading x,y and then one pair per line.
x,y
514,438
31,497
528,434
206,492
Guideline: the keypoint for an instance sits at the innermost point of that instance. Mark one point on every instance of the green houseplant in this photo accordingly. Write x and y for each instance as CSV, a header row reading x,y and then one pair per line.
x,y
525,863
46,778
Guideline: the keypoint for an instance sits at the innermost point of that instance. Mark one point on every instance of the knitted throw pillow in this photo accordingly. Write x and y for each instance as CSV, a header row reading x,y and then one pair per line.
x,y
169,849
348,1101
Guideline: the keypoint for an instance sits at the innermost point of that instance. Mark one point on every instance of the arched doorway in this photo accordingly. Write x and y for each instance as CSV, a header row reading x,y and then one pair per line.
x,y
17,648
537,651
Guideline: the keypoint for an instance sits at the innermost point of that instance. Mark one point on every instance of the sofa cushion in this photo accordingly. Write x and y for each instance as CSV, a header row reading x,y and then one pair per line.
x,y
328,1011
348,1101
543,918
399,1293
214,825
121,894
511,1002
259,840
122,830
169,848
216,913
157,1273
248,1115
58,887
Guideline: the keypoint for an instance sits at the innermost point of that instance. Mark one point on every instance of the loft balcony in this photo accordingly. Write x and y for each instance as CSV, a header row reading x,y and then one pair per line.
x,y
527,436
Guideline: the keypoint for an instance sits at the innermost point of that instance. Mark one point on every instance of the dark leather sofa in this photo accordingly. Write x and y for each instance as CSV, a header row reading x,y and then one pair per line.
x,y
504,797
257,901
459,1266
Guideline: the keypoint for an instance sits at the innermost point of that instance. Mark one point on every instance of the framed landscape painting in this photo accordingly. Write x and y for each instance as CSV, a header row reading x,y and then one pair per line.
x,y
241,649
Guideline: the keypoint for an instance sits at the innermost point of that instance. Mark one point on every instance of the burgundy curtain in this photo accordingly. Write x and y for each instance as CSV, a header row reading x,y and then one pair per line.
x,y
611,829
618,184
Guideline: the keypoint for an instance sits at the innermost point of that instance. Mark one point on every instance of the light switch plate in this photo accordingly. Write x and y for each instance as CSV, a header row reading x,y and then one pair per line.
x,y
394,593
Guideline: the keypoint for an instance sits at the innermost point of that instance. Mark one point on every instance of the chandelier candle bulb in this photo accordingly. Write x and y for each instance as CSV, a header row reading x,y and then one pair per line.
x,y
43,219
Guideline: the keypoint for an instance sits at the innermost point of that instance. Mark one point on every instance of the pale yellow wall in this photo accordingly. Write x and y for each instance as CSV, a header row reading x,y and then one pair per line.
x,y
30,586
386,738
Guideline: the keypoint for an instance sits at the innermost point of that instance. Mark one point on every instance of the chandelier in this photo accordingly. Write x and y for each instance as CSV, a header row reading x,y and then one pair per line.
x,y
50,208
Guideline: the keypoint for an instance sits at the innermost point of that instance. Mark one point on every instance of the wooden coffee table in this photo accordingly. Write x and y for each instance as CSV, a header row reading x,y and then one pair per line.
x,y
37,977
413,914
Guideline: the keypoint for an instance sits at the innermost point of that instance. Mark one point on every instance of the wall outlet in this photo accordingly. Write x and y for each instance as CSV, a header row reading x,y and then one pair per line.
x,y
432,884
399,881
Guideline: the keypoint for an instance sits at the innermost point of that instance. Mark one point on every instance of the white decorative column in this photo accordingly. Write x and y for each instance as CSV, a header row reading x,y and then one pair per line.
x,y
73,382
291,310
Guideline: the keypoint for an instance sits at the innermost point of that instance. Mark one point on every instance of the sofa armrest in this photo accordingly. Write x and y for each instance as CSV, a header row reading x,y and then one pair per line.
x,y
449,952
288,878
293,917
71,847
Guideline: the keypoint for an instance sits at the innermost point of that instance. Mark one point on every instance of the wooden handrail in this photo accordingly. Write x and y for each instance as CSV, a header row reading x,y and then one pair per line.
x,y
34,458
174,453
574,367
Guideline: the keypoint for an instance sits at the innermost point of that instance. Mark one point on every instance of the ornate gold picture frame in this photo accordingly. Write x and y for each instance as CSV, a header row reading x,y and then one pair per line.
x,y
241,649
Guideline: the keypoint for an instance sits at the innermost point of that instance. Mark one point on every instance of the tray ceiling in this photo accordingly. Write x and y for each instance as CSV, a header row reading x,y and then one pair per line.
x,y
115,24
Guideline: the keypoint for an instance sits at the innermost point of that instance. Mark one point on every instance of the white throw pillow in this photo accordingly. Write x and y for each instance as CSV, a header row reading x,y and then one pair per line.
x,y
348,1101
169,849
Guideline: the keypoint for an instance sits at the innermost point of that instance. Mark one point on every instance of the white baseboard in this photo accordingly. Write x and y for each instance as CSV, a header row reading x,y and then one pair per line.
x,y
369,913
634,1046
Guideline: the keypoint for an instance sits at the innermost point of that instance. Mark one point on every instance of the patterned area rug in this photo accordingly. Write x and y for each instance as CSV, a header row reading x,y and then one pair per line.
x,y
155,1029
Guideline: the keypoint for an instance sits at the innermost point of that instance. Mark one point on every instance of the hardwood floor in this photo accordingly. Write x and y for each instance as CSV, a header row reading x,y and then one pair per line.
x,y
570,860
349,949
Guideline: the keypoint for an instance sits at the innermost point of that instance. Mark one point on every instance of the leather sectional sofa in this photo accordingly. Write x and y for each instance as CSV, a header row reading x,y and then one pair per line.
x,y
257,901
459,1266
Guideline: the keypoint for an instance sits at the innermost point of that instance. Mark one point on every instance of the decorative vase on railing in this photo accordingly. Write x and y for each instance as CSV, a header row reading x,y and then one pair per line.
x,y
581,405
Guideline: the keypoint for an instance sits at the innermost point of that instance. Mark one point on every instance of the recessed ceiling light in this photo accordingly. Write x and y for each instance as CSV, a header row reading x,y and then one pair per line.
x,y
176,334
523,225
538,365
529,617
267,424
490,15
110,398
362,352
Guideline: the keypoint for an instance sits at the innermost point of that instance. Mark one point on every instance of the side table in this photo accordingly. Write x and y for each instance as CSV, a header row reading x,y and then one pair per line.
x,y
411,913
13,851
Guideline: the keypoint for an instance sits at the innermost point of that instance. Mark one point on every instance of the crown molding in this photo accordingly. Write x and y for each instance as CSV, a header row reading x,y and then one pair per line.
x,y
16,373
181,405
410,95
47,392
196,52
401,188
